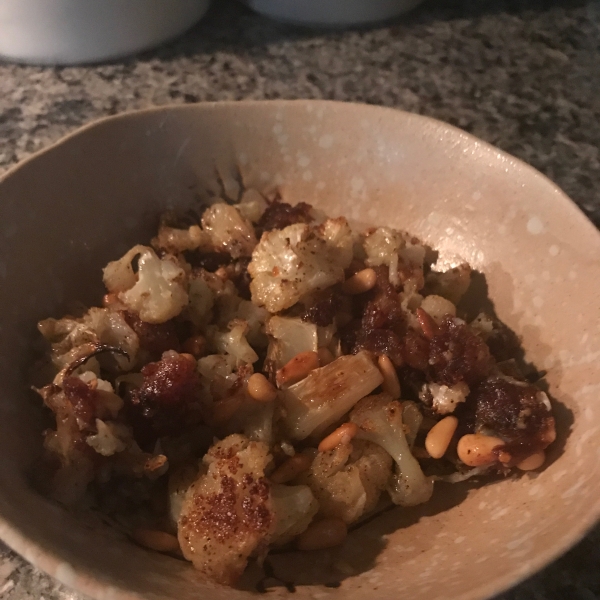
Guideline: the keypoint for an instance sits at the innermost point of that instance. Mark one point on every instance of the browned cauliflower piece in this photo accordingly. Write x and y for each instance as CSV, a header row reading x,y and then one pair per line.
x,y
289,263
380,421
294,507
157,292
228,230
348,480
288,336
400,252
174,240
226,514
451,284
71,337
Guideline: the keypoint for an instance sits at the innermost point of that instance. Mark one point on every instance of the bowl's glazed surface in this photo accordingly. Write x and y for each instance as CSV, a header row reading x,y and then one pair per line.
x,y
69,210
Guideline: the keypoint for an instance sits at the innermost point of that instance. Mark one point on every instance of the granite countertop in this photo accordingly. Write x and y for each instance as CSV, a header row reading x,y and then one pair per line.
x,y
523,75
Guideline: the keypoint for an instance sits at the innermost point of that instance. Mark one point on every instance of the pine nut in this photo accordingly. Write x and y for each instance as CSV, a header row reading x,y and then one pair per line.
x,y
188,356
476,449
195,345
224,409
535,461
325,356
291,468
439,436
391,384
428,325
261,389
109,299
325,533
342,435
361,282
297,368
159,541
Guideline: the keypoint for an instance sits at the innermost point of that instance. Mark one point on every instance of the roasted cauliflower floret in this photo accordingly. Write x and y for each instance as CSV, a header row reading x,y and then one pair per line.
x,y
348,480
294,507
451,284
70,338
227,514
252,205
157,293
442,398
289,263
234,342
288,337
379,419
228,230
402,254
174,240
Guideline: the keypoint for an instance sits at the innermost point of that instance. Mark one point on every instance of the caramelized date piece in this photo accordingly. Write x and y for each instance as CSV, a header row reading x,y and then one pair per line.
x,y
456,354
516,411
322,311
170,395
83,399
279,215
154,338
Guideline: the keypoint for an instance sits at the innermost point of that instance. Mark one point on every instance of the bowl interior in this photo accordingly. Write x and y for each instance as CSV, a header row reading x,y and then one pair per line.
x,y
71,209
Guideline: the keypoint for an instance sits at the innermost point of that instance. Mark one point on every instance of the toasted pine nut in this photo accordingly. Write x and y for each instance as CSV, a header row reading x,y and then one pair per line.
x,y
325,356
195,345
476,449
188,356
156,540
261,389
325,533
439,436
391,384
297,368
224,409
342,435
291,468
221,273
156,463
361,282
504,457
109,299
428,325
535,461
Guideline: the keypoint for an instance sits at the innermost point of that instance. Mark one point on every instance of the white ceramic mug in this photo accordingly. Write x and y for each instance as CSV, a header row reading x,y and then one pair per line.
x,y
80,31
332,13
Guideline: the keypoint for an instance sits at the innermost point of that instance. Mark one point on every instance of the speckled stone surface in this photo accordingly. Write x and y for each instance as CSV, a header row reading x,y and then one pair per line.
x,y
523,75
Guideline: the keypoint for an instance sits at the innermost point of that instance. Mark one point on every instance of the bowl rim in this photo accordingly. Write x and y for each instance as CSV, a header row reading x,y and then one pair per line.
x,y
85,582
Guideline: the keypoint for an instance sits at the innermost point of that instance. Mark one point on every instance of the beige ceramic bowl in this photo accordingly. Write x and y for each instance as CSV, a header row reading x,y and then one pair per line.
x,y
70,209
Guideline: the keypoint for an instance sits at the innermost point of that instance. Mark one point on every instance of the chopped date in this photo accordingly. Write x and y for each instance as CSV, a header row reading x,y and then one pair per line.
x,y
170,394
456,354
381,341
380,323
154,338
415,350
83,399
515,411
383,309
322,311
279,215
